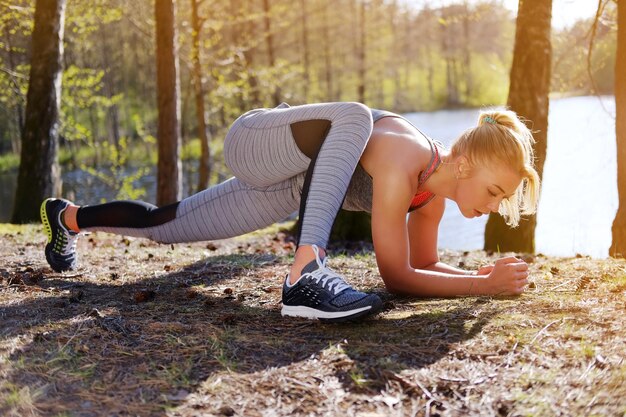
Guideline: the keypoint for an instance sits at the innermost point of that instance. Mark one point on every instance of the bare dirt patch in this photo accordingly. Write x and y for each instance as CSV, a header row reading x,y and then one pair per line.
x,y
190,330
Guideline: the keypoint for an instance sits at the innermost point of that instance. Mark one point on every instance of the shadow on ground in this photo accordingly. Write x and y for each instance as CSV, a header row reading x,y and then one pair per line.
x,y
142,347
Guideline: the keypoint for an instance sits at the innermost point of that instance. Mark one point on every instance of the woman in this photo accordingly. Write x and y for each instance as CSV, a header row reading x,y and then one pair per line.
x,y
321,157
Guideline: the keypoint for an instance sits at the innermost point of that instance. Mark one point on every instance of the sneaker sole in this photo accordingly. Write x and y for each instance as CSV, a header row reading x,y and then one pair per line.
x,y
326,316
44,218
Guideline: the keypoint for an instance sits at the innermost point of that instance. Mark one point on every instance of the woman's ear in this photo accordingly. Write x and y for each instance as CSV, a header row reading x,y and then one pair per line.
x,y
462,168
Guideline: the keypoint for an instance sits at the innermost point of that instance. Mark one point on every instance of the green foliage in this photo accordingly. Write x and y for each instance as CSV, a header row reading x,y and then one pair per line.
x,y
118,175
570,72
9,162
85,17
80,96
414,59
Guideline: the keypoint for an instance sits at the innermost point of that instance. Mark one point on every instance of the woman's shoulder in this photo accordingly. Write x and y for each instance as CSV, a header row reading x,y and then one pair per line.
x,y
396,141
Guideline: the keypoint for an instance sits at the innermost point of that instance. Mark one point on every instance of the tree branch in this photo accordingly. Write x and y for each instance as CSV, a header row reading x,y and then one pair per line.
x,y
592,38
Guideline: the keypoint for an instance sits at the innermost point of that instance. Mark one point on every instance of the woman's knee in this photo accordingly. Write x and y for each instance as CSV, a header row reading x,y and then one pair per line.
x,y
358,116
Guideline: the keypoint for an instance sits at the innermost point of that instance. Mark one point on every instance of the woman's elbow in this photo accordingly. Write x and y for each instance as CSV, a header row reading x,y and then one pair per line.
x,y
393,279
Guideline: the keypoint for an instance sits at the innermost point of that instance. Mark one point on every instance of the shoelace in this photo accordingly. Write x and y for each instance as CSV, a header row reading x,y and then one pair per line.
x,y
65,242
328,279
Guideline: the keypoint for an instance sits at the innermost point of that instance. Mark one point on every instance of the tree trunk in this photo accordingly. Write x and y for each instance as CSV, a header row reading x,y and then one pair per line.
x,y
169,179
305,50
467,54
269,38
528,96
109,84
451,92
327,53
39,174
205,157
361,52
618,246
19,109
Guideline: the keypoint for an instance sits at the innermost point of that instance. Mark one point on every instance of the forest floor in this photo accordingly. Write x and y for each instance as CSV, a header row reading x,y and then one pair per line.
x,y
195,329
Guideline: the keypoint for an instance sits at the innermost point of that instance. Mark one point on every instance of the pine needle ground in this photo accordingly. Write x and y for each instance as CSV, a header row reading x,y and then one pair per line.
x,y
195,329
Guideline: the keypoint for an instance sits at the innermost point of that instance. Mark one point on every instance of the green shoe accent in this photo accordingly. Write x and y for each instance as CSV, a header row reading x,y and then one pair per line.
x,y
44,219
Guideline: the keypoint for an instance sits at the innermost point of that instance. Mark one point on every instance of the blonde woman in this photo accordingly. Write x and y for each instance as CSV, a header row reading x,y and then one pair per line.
x,y
320,158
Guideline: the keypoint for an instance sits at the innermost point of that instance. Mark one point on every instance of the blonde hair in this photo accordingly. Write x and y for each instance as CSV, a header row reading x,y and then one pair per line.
x,y
502,138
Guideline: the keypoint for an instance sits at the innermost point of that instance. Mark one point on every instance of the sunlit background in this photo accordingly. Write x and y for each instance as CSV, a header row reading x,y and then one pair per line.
x,y
437,61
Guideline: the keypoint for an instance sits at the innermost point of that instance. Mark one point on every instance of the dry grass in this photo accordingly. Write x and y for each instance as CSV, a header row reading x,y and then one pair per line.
x,y
190,330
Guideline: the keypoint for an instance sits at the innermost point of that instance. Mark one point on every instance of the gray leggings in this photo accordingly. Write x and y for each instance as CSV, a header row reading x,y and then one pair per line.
x,y
269,170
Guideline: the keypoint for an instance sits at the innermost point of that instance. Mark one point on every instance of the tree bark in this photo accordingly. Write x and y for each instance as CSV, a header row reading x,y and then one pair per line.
x,y
327,53
169,178
269,39
361,52
305,50
618,246
19,109
203,135
467,54
528,96
109,84
39,174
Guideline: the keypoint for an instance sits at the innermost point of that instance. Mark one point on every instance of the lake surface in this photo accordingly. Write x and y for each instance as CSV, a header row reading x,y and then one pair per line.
x,y
579,196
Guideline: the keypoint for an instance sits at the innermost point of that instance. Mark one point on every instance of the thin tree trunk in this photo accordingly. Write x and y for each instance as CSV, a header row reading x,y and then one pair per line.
x,y
445,50
39,174
305,50
361,56
618,246
112,112
249,61
19,109
395,59
269,38
528,96
467,55
327,53
203,135
431,75
169,178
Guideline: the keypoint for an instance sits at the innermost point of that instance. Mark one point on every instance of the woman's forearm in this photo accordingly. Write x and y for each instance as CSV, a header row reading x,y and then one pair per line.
x,y
429,283
448,269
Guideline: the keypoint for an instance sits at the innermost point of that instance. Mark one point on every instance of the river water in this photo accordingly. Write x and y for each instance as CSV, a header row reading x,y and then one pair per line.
x,y
579,196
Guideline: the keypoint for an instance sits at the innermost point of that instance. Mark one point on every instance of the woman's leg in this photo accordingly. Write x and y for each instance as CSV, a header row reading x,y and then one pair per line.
x,y
229,209
312,290
261,149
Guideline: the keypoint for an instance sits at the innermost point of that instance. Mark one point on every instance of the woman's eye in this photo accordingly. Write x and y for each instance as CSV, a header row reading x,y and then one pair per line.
x,y
492,194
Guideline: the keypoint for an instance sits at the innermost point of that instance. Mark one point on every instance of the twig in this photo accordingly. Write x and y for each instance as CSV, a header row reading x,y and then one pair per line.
x,y
563,283
544,328
510,355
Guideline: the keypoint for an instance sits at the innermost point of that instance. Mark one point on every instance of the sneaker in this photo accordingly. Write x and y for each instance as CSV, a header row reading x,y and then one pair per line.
x,y
61,247
323,294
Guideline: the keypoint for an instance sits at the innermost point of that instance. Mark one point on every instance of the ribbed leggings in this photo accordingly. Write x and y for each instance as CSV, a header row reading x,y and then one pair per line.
x,y
268,165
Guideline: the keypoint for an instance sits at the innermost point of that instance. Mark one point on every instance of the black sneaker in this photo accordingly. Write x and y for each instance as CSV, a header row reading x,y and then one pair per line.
x,y
322,294
61,247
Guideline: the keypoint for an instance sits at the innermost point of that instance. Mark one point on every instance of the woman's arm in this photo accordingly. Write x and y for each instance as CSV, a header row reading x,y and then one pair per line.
x,y
392,194
423,228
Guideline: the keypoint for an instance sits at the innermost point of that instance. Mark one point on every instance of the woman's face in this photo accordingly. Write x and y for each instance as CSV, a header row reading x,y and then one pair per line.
x,y
480,189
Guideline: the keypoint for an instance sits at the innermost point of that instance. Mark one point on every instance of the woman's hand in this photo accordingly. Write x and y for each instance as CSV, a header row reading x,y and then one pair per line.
x,y
485,270
508,276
